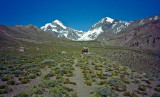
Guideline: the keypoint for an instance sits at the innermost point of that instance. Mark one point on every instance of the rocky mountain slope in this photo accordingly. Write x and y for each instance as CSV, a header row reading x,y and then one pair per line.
x,y
16,35
144,33
105,28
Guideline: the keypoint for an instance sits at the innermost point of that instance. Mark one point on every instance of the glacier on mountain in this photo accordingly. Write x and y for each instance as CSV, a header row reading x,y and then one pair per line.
x,y
91,34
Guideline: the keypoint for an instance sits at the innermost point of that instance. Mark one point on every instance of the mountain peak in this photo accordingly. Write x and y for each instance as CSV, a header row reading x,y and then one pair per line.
x,y
59,23
58,29
108,19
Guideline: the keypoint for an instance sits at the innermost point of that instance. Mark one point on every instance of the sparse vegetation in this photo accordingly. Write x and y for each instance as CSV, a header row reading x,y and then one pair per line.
x,y
104,91
104,68
88,82
67,81
142,88
126,93
156,95
21,94
24,80
157,89
5,89
134,94
11,82
117,84
37,90
158,85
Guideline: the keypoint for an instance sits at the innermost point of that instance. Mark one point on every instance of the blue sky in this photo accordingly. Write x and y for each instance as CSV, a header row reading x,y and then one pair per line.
x,y
77,14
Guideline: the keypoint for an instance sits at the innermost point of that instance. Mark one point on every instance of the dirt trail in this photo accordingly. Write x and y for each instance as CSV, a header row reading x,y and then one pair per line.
x,y
81,89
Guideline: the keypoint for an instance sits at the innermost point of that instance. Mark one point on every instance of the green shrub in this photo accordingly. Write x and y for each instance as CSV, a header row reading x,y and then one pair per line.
x,y
117,84
93,76
134,70
142,88
102,83
134,94
50,74
107,74
34,70
5,78
86,71
158,85
56,92
25,80
65,64
63,71
51,83
126,93
126,81
67,89
95,94
32,76
74,95
104,91
143,84
98,67
18,73
88,82
37,95
38,73
73,83
67,81
37,90
157,89
11,82
148,81
21,94
69,75
156,95
59,76
100,75
137,81
93,80
122,76
87,76
49,62
5,89
93,63
46,77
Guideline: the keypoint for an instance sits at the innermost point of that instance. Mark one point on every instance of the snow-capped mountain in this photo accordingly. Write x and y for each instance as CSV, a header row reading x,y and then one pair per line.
x,y
107,27
58,29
